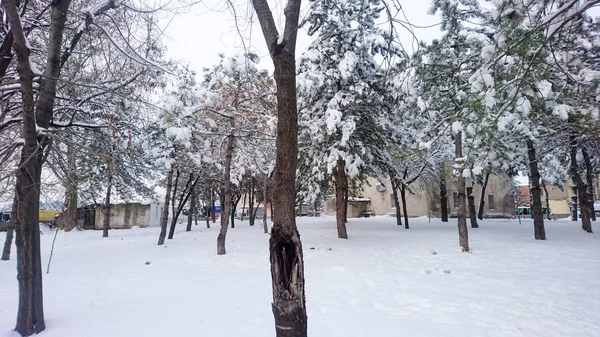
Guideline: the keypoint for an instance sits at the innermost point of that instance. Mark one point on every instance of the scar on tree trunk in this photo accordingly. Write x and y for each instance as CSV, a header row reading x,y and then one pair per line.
x,y
536,193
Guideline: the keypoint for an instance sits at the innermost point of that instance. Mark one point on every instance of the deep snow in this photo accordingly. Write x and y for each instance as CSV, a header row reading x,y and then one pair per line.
x,y
383,281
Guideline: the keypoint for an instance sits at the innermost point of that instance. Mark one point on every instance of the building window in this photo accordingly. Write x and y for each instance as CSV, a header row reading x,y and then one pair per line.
x,y
491,201
455,199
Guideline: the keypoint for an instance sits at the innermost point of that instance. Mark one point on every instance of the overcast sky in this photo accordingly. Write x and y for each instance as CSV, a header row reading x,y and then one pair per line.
x,y
198,34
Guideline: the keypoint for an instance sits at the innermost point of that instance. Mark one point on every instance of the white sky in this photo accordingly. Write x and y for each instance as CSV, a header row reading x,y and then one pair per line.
x,y
198,34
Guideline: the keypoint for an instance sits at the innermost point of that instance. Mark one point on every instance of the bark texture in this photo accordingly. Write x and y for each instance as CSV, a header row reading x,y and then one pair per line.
x,y
106,220
444,199
404,205
265,185
589,173
285,247
191,210
582,192
396,202
482,197
69,215
165,213
472,214
547,200
463,234
340,198
10,234
536,193
226,206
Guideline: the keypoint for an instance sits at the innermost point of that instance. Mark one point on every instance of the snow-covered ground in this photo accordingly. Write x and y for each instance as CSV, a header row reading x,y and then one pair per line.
x,y
383,281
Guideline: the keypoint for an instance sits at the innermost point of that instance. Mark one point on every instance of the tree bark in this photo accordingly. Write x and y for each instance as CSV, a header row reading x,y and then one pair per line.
x,y
251,202
10,231
235,201
482,197
285,247
30,316
191,210
589,173
340,198
173,198
213,210
463,233
106,220
183,199
536,207
165,213
404,206
265,185
547,200
243,204
396,202
226,206
472,214
586,224
444,199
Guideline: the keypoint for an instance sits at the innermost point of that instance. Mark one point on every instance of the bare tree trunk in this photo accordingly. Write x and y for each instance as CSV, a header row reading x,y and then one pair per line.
x,y
173,198
226,206
547,200
586,224
30,316
443,199
285,247
536,197
165,213
251,201
463,233
9,235
472,214
213,210
191,210
340,198
590,183
207,213
69,216
404,206
243,203
396,202
265,185
234,202
482,197
106,220
189,187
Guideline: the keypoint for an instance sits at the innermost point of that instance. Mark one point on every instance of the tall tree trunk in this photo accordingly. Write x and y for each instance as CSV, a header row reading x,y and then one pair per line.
x,y
482,197
472,214
252,198
191,210
285,247
265,186
207,214
243,204
340,198
69,215
183,199
30,316
396,202
443,198
234,203
226,206
174,205
586,224
10,231
536,197
404,206
589,173
463,234
165,213
213,210
106,220
547,200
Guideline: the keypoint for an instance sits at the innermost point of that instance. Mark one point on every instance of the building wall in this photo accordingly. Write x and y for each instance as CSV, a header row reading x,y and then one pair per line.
x,y
123,216
425,199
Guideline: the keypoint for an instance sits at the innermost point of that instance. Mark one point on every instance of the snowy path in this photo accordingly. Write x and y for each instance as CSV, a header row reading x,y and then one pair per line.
x,y
384,281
